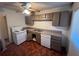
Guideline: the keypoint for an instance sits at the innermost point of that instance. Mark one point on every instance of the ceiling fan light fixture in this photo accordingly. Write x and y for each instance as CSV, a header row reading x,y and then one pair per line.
x,y
26,12
28,5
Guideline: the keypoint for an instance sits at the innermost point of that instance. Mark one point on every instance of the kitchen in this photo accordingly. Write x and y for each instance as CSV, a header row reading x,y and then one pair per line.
x,y
48,25
49,29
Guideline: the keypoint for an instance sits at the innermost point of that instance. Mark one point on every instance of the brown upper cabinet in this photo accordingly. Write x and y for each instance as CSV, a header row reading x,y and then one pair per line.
x,y
43,17
62,18
40,17
65,19
29,20
49,16
55,19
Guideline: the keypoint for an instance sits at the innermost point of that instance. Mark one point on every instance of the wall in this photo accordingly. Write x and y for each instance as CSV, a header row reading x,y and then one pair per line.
x,y
74,32
47,25
3,27
54,10
43,24
13,19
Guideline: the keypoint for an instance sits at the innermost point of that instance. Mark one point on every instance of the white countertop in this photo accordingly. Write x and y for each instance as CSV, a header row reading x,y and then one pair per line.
x,y
50,31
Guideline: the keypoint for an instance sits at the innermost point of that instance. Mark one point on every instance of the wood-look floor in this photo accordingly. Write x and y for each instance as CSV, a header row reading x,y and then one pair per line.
x,y
29,48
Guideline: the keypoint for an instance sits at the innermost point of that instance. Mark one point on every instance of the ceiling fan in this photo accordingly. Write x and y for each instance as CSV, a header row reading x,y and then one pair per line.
x,y
28,8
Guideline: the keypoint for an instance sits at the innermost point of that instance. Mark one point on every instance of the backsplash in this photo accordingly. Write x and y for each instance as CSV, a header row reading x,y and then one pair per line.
x,y
46,25
43,24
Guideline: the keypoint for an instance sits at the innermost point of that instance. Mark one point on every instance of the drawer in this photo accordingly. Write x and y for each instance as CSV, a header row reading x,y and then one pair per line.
x,y
56,38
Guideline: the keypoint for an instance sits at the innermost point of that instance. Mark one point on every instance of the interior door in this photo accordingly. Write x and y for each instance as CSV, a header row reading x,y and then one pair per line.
x,y
3,31
3,27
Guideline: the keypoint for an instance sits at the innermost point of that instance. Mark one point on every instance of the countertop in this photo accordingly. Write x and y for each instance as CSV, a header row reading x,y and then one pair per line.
x,y
45,31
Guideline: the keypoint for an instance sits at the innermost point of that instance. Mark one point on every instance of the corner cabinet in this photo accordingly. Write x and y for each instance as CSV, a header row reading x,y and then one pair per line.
x,y
31,35
45,40
29,20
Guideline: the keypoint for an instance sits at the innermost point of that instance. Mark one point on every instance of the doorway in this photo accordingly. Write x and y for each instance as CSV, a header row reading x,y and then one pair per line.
x,y
4,29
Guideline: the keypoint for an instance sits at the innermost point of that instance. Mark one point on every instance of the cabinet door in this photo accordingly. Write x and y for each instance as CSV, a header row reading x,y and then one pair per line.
x,y
56,16
65,19
38,38
56,43
28,20
49,16
45,40
29,35
39,17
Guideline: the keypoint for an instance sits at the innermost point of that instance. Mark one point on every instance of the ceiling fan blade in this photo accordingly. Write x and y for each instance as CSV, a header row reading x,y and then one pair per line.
x,y
33,9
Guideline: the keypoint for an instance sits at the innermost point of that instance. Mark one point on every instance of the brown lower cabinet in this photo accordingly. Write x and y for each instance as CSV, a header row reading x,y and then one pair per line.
x,y
56,43
31,35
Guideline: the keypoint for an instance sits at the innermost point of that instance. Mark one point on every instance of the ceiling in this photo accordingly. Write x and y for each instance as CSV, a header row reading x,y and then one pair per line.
x,y
35,5
49,5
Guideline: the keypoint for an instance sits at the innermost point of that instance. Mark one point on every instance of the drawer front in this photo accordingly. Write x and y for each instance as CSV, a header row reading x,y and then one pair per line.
x,y
56,43
56,38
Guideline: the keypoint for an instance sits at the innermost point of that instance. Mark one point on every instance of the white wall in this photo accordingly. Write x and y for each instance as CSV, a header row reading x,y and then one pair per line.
x,y
74,37
54,10
13,19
